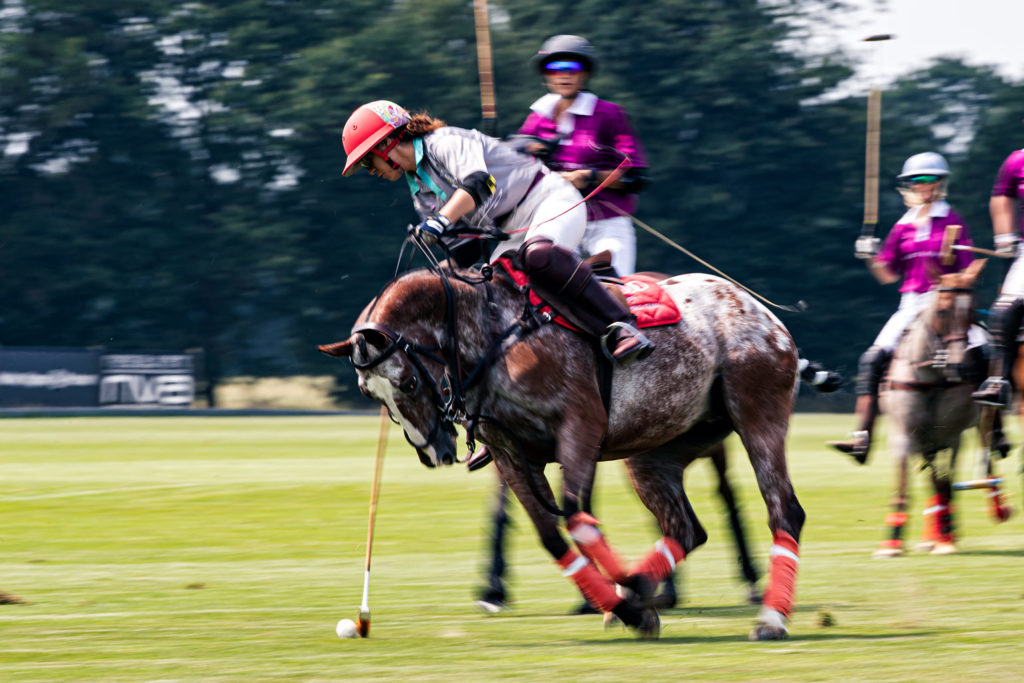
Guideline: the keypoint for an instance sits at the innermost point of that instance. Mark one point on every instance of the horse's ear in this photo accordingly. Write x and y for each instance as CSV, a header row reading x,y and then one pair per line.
x,y
340,349
973,271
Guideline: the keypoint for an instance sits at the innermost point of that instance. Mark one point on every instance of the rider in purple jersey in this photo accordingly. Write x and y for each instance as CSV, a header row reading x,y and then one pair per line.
x,y
1007,212
911,253
585,138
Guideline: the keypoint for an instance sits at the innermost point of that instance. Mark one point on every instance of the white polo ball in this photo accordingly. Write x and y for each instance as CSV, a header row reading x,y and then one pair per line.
x,y
346,628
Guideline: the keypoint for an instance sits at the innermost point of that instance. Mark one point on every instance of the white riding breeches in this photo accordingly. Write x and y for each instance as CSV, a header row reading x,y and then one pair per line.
x,y
911,304
1013,284
615,235
547,210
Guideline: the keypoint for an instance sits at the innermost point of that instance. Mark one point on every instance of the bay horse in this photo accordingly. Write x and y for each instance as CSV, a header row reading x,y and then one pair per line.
x,y
443,346
927,397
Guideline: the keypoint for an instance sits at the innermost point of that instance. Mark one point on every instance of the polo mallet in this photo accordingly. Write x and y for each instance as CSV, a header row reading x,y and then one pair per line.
x,y
989,483
363,625
872,143
983,252
488,103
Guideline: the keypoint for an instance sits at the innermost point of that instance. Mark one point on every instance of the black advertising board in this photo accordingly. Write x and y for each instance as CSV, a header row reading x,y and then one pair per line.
x,y
49,377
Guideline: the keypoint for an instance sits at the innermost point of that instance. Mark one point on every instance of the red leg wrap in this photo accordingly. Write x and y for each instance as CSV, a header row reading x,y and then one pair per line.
x,y
596,588
894,522
929,527
591,542
997,506
659,563
785,555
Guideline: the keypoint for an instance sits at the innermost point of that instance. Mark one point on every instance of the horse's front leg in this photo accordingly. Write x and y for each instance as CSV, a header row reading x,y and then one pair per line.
x,y
579,443
595,587
896,519
942,481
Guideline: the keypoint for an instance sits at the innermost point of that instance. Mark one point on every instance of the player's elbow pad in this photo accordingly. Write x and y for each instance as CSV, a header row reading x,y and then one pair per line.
x,y
479,185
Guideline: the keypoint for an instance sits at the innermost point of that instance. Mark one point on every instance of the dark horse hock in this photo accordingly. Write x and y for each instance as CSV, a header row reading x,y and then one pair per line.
x,y
437,348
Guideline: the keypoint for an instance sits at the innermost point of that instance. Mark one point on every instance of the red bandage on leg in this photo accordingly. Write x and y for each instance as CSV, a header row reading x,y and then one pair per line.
x,y
894,522
596,588
785,555
660,562
998,507
930,521
589,539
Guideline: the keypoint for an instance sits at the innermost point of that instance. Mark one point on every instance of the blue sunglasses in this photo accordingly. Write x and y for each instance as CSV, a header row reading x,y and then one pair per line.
x,y
571,67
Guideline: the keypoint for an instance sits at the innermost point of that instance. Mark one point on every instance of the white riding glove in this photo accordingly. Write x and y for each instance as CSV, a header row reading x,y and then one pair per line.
x,y
432,229
1007,243
866,247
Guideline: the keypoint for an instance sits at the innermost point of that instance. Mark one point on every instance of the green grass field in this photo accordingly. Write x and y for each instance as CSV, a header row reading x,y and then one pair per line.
x,y
226,549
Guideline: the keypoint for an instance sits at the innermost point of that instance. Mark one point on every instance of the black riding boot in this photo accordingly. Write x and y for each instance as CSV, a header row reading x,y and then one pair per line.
x,y
1006,320
567,283
873,364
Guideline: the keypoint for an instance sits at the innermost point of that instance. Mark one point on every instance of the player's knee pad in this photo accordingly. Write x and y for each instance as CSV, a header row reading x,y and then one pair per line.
x,y
873,364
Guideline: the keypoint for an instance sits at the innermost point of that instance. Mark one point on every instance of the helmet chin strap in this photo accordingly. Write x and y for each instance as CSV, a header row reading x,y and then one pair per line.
x,y
385,154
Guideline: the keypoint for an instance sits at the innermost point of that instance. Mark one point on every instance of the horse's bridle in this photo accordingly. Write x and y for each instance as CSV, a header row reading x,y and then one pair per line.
x,y
449,392
939,353
450,409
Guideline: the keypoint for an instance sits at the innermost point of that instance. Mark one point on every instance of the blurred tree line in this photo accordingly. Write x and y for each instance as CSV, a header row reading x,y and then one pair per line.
x,y
170,171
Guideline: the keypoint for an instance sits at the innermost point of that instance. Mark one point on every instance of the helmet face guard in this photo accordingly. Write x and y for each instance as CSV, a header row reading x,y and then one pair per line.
x,y
367,127
927,168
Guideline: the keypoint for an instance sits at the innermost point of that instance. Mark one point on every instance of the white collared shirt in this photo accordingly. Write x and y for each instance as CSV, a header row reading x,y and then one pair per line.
x,y
583,105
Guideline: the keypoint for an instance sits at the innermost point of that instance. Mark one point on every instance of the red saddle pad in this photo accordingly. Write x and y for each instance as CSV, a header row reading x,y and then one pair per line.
x,y
647,300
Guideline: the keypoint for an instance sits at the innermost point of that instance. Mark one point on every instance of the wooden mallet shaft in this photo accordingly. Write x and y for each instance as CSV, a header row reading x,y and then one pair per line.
x,y
949,238
363,625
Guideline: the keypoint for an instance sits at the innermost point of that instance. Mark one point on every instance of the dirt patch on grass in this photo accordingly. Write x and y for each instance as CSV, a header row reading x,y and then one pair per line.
x,y
284,393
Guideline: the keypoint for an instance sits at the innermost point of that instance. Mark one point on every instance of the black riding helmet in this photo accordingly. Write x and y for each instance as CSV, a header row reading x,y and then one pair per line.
x,y
566,47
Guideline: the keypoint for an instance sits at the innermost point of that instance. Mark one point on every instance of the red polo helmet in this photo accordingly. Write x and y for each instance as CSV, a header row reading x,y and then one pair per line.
x,y
368,125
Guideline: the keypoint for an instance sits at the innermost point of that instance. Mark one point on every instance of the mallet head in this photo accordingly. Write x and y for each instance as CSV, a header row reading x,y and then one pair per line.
x,y
363,624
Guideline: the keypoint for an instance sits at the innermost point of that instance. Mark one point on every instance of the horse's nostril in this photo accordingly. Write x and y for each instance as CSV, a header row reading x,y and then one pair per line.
x,y
447,459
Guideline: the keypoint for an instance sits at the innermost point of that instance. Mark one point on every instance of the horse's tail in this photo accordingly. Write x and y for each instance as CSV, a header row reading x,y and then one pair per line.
x,y
818,376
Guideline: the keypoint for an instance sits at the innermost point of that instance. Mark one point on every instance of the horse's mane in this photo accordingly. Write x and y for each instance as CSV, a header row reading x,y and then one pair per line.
x,y
430,281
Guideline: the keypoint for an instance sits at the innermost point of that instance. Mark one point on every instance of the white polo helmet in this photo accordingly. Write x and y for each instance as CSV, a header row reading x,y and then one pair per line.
x,y
925,163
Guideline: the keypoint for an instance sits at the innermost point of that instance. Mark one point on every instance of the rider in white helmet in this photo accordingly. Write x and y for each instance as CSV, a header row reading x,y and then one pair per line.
x,y
911,253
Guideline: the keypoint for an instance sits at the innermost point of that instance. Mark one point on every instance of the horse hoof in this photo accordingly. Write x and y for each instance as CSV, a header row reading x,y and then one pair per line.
x,y
944,548
766,632
585,608
639,590
771,626
650,625
925,546
491,606
611,620
883,553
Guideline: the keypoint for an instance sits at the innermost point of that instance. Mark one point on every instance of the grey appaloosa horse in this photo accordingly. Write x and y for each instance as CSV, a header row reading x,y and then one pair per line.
x,y
437,348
